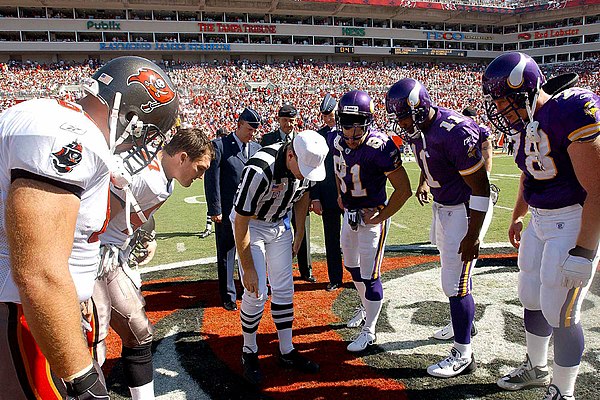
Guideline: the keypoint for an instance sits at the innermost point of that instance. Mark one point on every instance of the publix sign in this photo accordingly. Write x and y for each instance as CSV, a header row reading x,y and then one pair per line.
x,y
103,25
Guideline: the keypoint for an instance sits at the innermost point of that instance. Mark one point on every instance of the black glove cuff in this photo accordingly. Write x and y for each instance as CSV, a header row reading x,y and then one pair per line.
x,y
81,384
579,251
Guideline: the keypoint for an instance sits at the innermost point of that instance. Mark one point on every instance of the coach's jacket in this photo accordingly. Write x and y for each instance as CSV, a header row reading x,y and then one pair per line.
x,y
222,178
273,137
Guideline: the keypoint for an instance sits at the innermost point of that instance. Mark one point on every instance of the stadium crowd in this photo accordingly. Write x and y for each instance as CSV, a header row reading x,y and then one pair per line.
x,y
213,94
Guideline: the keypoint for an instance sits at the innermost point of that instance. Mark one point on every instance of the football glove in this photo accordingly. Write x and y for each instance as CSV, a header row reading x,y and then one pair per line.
x,y
576,271
109,260
87,387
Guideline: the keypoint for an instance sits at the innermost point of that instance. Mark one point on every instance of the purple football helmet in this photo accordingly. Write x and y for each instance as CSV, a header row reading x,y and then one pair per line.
x,y
516,78
355,109
408,98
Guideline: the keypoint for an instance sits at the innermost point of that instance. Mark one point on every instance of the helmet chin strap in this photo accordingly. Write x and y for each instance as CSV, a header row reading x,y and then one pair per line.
x,y
112,121
531,130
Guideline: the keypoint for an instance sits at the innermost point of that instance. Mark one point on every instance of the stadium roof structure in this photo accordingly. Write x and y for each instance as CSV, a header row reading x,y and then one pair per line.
x,y
493,12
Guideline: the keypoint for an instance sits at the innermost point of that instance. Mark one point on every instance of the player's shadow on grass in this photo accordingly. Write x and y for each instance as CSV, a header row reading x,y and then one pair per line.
x,y
169,235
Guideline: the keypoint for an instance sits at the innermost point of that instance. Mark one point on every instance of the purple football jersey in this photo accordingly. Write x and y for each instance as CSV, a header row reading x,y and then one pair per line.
x,y
550,181
362,171
450,149
484,134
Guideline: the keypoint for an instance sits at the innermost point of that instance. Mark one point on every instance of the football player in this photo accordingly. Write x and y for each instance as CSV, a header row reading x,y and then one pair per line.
x,y
117,296
422,194
446,147
557,130
364,161
55,159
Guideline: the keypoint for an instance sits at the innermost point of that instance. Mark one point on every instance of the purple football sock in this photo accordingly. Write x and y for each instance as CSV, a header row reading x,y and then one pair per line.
x,y
536,323
568,345
462,310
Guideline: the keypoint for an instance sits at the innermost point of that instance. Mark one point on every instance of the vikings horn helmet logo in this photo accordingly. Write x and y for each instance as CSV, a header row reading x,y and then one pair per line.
x,y
155,85
68,157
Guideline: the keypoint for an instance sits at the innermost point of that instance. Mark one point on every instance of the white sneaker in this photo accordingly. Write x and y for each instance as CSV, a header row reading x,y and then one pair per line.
x,y
358,318
525,376
447,332
362,341
453,365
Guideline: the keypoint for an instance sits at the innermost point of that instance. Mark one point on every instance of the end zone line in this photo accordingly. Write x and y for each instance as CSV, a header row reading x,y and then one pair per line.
x,y
393,248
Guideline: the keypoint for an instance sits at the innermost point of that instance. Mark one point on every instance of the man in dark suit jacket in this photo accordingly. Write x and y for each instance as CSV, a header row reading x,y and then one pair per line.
x,y
324,201
220,182
287,124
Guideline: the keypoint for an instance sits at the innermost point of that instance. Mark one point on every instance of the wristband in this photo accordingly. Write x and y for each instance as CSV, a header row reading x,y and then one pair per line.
x,y
479,203
579,251
76,375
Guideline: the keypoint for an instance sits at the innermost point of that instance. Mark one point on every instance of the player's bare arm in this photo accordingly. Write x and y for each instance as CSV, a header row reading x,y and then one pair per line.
x,y
40,229
486,152
300,210
422,192
242,242
402,192
519,211
480,189
585,158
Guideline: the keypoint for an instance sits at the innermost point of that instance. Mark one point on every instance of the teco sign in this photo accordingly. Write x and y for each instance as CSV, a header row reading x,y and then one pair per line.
x,y
455,36
550,33
236,28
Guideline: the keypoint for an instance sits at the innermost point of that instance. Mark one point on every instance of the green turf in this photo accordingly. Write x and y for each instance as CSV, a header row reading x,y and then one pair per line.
x,y
178,223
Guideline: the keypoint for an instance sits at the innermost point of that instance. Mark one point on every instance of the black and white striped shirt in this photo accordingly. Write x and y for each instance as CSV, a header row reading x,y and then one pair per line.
x,y
268,189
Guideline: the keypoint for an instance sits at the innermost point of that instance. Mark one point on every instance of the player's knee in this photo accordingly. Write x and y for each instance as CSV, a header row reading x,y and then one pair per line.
x,y
140,333
252,304
529,291
354,272
283,296
137,364
450,288
374,289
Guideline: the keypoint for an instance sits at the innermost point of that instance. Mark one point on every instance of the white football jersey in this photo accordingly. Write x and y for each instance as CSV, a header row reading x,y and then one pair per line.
x,y
56,141
150,188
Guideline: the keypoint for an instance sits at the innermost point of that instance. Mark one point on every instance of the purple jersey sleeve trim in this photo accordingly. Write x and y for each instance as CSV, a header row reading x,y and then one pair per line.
x,y
585,133
471,170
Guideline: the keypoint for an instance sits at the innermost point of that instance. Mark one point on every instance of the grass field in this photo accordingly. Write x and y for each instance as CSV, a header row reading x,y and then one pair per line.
x,y
183,216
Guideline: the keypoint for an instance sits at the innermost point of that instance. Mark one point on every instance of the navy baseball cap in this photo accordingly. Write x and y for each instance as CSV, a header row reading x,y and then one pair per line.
x,y
251,117
469,112
287,110
328,105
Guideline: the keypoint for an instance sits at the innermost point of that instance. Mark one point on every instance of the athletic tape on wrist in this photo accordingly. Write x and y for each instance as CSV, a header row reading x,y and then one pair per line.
x,y
76,375
479,203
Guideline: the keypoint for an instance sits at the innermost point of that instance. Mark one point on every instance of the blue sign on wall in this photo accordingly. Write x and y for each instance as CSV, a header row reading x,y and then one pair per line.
x,y
169,46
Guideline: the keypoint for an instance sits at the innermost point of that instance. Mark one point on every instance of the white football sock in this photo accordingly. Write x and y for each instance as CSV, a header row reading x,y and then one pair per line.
x,y
144,392
564,378
537,349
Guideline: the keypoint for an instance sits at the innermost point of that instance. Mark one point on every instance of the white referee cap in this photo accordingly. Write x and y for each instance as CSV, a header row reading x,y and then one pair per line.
x,y
311,149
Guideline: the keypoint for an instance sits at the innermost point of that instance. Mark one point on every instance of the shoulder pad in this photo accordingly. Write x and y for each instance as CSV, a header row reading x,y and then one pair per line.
x,y
374,142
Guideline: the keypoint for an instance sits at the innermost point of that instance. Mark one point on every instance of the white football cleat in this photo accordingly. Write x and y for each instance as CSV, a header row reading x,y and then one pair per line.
x,y
358,318
444,333
362,341
453,365
525,376
447,332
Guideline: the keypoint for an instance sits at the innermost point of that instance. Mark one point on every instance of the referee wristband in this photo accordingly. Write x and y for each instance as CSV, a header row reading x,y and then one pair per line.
x,y
479,203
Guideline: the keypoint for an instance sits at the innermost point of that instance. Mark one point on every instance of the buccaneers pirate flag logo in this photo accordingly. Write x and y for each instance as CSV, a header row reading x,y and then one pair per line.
x,y
155,86
67,158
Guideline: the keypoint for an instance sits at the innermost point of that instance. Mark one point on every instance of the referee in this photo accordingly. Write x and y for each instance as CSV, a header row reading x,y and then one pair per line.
x,y
274,180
